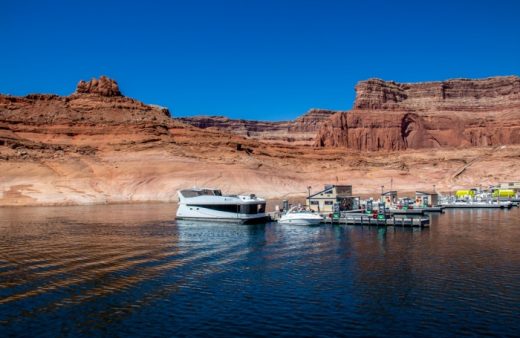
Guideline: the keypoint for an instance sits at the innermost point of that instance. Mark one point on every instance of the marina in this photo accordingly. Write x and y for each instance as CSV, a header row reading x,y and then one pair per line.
x,y
337,205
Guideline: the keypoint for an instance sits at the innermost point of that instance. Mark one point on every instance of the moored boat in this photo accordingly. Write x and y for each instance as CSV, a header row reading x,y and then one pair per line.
x,y
298,215
478,204
205,204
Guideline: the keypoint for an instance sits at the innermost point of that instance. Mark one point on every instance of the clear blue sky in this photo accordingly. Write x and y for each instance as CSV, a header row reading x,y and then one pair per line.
x,y
250,59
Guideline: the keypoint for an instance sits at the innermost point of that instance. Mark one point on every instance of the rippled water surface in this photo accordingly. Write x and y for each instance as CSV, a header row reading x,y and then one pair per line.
x,y
131,270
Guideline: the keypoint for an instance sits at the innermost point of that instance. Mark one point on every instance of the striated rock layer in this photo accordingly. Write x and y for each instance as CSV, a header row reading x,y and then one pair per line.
x,y
300,131
453,113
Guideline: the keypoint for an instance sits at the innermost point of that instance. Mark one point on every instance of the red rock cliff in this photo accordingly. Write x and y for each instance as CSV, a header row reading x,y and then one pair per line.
x,y
453,113
97,114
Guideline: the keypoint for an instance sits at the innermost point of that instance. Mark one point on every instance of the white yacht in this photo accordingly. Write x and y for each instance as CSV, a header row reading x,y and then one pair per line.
x,y
206,204
298,215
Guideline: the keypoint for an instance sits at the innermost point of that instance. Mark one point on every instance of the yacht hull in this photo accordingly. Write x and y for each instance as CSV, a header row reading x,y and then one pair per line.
x,y
229,220
300,221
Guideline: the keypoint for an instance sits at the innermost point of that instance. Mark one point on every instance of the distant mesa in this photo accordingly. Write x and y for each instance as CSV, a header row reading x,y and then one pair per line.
x,y
104,87
388,115
456,94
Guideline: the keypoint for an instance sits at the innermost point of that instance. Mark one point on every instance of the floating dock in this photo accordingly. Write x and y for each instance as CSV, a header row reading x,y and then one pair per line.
x,y
415,211
364,219
434,209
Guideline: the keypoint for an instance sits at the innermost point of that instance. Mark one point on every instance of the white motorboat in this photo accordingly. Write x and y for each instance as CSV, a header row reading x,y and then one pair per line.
x,y
204,204
298,215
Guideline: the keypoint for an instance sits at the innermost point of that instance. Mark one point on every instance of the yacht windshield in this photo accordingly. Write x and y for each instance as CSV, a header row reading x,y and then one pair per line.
x,y
202,192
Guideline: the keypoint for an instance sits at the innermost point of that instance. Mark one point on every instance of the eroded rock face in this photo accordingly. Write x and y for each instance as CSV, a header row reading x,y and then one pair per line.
x,y
104,87
312,120
453,113
300,131
451,95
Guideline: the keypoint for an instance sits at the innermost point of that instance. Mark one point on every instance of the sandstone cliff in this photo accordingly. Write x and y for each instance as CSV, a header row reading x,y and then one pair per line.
x,y
453,113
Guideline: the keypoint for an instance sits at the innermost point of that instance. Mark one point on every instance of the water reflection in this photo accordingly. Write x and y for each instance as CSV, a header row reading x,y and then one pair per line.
x,y
131,270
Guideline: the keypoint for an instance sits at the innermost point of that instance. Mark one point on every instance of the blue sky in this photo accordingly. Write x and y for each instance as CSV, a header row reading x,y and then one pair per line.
x,y
267,60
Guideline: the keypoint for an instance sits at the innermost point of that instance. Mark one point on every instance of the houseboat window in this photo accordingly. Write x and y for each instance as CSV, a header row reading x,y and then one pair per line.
x,y
219,207
248,209
315,202
329,202
251,209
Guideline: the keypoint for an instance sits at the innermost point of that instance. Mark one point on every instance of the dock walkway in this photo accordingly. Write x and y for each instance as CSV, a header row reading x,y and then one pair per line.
x,y
367,219
362,219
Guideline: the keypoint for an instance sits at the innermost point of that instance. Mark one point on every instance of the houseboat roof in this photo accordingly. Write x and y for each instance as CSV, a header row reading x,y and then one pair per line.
x,y
425,193
330,187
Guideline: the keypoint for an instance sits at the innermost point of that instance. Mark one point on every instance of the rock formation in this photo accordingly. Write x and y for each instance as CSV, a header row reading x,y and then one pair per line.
x,y
104,87
453,113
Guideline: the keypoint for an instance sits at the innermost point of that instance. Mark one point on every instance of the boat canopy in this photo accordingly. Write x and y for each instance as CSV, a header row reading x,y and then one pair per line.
x,y
465,193
504,193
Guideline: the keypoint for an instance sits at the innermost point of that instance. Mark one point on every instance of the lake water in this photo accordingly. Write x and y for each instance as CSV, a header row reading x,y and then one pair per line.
x,y
131,270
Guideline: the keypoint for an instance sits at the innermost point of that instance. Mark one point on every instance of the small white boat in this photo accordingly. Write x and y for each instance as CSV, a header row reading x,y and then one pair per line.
x,y
298,215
